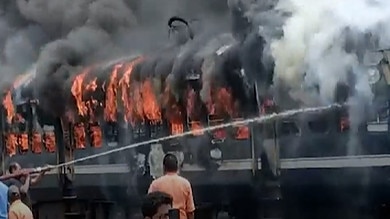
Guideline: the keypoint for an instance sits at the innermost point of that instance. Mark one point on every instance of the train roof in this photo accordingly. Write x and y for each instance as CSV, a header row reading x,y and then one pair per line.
x,y
22,82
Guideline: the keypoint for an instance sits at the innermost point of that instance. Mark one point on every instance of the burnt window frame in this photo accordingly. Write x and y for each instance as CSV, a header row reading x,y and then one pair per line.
x,y
290,134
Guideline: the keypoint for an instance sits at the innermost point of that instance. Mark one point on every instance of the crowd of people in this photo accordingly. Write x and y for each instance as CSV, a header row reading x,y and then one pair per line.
x,y
15,202
169,196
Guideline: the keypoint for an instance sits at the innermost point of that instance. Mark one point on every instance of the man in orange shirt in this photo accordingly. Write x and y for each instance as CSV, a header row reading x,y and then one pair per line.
x,y
176,186
17,210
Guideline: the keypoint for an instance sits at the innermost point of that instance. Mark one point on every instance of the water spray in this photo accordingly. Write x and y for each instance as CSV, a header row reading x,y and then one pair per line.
x,y
259,119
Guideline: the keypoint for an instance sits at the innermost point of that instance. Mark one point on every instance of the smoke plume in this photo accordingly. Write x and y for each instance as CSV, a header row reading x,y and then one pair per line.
x,y
319,44
324,45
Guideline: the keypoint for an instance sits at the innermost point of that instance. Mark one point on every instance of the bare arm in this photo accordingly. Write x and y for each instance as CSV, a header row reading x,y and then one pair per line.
x,y
12,215
35,179
190,206
9,176
26,186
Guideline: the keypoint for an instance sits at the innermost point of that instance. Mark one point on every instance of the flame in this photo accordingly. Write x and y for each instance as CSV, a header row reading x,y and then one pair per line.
x,y
220,102
110,109
11,142
7,100
96,136
124,84
150,106
91,103
50,141
225,101
36,143
77,92
137,109
173,112
196,127
177,128
242,131
9,106
92,85
23,141
221,105
79,136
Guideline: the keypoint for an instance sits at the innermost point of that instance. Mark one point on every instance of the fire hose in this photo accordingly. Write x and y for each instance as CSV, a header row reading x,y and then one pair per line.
x,y
259,119
26,171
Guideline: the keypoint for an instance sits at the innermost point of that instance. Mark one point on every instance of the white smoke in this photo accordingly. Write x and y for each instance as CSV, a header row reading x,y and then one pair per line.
x,y
312,50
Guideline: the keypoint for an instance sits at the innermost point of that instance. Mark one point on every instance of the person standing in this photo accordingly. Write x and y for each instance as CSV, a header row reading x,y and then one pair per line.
x,y
23,181
156,205
176,186
17,210
3,201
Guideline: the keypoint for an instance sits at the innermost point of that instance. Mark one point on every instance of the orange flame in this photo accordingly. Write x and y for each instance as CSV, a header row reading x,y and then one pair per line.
x,y
220,102
174,113
77,92
23,141
111,106
36,143
11,142
124,84
138,111
50,141
91,103
9,106
176,128
242,131
150,106
96,136
196,128
79,135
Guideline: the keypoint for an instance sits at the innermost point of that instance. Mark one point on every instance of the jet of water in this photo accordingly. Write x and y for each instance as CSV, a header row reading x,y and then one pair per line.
x,y
259,119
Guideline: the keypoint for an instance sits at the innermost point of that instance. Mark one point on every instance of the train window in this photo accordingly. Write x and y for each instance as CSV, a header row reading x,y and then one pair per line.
x,y
289,128
36,145
319,125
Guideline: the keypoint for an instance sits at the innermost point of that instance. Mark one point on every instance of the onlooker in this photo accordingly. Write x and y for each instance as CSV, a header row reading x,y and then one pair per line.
x,y
23,182
3,201
156,205
176,186
17,210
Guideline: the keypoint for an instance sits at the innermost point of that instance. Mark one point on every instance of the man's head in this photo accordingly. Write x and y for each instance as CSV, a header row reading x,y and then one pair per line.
x,y
13,167
170,163
13,193
156,205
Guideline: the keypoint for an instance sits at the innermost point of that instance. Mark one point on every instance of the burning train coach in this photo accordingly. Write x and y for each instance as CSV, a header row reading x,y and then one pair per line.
x,y
111,105
183,89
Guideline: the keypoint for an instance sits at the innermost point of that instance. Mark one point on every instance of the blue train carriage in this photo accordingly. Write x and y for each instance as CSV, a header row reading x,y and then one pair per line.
x,y
331,164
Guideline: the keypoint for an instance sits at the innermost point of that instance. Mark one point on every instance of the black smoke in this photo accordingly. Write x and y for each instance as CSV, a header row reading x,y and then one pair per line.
x,y
217,41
